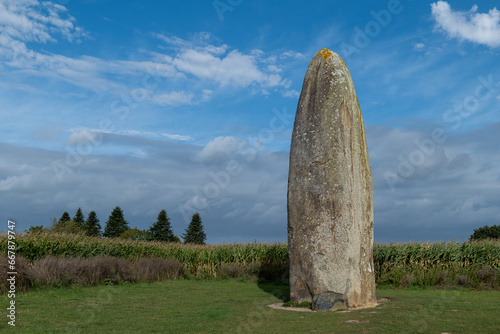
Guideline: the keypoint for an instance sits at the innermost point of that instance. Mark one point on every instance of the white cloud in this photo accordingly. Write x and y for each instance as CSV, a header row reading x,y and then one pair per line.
x,y
481,28
291,93
184,62
83,135
419,46
174,98
178,137
138,133
15,182
30,20
274,68
292,54
95,137
235,69
207,95
216,63
221,147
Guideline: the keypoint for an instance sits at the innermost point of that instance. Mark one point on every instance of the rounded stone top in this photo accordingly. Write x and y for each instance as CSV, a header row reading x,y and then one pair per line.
x,y
329,56
332,70
325,53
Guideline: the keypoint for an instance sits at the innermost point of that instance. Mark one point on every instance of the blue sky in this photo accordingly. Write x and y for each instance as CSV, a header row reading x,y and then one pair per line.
x,y
189,106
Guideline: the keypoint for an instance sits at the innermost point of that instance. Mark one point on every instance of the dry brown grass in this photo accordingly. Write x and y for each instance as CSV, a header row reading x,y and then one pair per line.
x,y
154,269
52,271
24,277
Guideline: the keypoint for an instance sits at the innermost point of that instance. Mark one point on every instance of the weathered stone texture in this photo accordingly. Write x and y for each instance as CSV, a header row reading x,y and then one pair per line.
x,y
330,196
329,301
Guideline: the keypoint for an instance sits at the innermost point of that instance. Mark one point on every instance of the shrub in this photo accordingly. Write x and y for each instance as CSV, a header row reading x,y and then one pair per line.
x,y
154,269
23,276
406,281
136,234
230,270
486,232
54,271
66,226
461,280
36,229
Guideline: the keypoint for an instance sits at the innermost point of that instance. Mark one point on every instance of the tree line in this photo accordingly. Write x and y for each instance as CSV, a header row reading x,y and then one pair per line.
x,y
117,227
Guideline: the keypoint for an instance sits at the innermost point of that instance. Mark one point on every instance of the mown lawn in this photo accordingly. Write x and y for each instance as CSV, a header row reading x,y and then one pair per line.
x,y
229,306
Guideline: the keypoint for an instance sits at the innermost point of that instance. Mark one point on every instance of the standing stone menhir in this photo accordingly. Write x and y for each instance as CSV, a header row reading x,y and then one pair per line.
x,y
330,195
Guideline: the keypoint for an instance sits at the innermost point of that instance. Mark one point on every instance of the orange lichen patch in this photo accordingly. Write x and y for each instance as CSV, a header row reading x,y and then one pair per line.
x,y
325,53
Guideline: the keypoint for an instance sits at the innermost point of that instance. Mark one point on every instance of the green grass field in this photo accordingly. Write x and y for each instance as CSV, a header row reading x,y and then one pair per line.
x,y
230,306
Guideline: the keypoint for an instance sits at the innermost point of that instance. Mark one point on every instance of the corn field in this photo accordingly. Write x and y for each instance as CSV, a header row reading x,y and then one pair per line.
x,y
400,264
199,260
474,264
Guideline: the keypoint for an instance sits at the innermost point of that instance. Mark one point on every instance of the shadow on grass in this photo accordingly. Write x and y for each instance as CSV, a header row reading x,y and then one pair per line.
x,y
274,279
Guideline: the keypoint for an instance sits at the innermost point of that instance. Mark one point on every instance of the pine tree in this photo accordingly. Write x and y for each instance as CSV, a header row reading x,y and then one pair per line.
x,y
194,232
79,219
64,218
92,226
161,230
116,224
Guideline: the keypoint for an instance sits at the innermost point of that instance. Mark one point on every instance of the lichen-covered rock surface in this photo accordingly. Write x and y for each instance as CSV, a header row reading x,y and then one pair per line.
x,y
330,189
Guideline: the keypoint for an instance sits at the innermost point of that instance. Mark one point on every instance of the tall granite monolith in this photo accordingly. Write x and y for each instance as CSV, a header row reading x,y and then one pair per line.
x,y
330,190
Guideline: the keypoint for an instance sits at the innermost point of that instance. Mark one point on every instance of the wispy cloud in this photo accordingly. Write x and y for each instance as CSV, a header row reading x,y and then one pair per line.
x,y
30,20
419,46
221,147
178,137
215,63
195,67
292,54
81,134
173,98
481,28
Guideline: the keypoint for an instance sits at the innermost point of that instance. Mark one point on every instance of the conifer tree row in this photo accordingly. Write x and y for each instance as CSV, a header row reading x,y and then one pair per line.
x,y
117,226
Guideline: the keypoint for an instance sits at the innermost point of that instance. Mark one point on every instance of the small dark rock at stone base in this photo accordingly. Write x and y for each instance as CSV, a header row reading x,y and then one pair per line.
x,y
329,301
